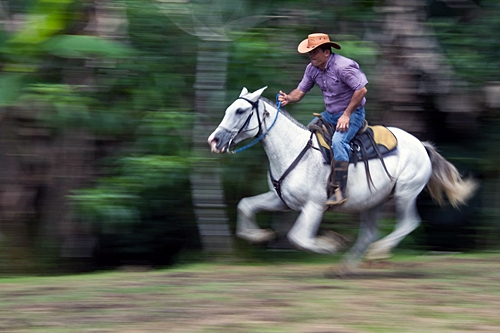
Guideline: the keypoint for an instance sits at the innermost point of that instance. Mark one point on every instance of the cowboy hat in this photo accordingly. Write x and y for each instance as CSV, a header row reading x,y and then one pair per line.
x,y
315,40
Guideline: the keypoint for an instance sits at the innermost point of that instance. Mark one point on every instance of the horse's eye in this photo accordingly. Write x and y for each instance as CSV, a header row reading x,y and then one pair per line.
x,y
240,111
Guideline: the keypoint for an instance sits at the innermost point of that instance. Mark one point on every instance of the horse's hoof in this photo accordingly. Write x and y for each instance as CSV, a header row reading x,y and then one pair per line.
x,y
343,271
376,253
327,245
341,241
257,236
376,264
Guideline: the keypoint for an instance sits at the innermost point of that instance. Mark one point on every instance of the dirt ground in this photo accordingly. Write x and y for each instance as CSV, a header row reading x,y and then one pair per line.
x,y
450,293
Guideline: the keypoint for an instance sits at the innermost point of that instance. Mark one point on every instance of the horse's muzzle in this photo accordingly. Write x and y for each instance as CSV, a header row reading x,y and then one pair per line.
x,y
219,141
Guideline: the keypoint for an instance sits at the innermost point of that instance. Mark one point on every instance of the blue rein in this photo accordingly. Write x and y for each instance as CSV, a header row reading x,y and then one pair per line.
x,y
260,137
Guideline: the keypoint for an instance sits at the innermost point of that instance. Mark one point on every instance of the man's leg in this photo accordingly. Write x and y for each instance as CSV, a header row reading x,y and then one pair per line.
x,y
341,150
339,179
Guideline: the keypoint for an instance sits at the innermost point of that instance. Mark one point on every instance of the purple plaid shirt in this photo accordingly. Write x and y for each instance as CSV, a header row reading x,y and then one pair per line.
x,y
341,77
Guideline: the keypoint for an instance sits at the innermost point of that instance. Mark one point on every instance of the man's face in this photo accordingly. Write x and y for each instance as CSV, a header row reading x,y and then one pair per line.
x,y
319,58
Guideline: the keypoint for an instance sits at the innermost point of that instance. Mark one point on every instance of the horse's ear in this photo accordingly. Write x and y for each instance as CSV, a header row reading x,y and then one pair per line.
x,y
244,91
256,94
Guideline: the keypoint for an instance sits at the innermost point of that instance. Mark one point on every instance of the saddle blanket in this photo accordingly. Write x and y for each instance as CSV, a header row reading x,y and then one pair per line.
x,y
370,142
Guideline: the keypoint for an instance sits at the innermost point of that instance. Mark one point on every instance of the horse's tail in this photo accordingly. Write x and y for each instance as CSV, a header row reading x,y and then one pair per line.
x,y
446,178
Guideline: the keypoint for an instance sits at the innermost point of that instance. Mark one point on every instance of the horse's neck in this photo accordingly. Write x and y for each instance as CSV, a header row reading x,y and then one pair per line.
x,y
284,142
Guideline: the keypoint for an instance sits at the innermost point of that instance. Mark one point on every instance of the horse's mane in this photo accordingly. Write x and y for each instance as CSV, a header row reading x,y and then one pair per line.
x,y
284,112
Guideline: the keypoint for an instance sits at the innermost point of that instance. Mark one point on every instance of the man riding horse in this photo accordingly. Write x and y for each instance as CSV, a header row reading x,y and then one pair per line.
x,y
343,85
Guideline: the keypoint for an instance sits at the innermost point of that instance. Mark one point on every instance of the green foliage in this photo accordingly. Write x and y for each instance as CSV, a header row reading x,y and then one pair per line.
x,y
119,200
472,46
165,133
134,95
62,105
11,85
77,46
45,19
159,163
364,52
108,204
41,43
256,61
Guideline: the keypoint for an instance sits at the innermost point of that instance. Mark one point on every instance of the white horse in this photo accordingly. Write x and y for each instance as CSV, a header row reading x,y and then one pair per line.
x,y
413,167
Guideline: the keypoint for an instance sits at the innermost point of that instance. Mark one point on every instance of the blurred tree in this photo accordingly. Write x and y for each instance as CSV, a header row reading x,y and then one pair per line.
x,y
214,23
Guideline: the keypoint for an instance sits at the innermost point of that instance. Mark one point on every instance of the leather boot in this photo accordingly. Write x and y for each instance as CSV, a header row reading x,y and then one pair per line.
x,y
340,181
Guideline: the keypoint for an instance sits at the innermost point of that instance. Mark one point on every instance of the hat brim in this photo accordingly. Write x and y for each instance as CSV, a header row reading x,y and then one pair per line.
x,y
303,48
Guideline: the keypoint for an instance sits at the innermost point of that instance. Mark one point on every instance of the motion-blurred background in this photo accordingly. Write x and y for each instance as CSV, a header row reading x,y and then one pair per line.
x,y
105,107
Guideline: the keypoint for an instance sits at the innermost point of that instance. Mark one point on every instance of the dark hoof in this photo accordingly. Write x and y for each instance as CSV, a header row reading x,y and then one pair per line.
x,y
340,272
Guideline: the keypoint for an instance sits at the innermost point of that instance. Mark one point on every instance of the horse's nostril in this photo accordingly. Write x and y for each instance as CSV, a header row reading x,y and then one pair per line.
x,y
218,140
212,139
213,145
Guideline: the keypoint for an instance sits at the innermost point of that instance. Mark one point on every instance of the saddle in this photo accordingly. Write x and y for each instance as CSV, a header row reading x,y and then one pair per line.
x,y
369,143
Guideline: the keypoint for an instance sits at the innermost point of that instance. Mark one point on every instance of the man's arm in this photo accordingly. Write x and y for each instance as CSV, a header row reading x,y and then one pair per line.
x,y
293,97
357,97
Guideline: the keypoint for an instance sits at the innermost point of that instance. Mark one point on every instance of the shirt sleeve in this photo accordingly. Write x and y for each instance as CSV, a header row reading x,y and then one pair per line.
x,y
307,82
354,77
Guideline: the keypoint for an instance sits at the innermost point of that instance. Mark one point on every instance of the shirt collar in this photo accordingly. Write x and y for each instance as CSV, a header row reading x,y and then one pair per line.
x,y
329,62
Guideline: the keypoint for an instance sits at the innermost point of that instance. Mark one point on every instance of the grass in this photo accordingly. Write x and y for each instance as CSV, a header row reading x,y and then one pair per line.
x,y
285,292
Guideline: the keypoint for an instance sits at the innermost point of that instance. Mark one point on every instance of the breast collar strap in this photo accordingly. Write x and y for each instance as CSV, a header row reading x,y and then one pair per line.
x,y
277,183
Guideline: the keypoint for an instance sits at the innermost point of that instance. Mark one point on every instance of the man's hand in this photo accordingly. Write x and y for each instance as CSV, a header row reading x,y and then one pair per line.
x,y
343,123
283,98
293,97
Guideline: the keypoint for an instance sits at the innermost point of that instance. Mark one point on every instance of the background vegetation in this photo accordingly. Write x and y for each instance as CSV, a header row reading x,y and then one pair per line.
x,y
114,82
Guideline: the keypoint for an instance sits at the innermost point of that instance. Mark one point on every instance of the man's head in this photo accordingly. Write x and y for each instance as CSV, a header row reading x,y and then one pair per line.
x,y
319,56
314,41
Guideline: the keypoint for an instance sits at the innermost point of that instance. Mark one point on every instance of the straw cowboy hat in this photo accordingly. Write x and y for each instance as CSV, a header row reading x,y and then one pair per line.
x,y
315,40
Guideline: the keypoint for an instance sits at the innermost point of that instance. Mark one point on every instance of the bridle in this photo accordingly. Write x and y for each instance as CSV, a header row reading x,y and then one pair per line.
x,y
260,134
255,106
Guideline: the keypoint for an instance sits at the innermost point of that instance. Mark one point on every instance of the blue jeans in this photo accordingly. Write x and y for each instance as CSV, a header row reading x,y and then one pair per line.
x,y
340,141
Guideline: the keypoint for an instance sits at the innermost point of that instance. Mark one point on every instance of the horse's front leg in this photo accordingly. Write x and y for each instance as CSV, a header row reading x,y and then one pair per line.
x,y
304,232
246,227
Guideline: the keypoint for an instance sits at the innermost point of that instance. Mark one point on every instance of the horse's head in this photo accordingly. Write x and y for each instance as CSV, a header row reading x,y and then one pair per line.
x,y
241,121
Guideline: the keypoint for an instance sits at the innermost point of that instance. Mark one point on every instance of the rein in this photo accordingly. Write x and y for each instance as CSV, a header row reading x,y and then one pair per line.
x,y
255,105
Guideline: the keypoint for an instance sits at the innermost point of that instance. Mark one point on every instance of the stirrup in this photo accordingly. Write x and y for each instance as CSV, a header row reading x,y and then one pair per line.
x,y
337,198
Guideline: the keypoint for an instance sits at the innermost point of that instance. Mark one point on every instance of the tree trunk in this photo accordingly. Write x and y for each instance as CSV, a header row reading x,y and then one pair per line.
x,y
206,183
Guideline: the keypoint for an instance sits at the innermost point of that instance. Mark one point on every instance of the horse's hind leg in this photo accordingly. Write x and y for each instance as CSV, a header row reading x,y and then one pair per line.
x,y
246,227
407,220
367,234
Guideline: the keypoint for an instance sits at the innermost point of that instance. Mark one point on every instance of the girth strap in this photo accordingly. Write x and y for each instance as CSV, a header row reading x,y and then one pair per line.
x,y
277,183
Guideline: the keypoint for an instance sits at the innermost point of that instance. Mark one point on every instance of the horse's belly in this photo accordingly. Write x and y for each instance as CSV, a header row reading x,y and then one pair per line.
x,y
309,184
363,191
